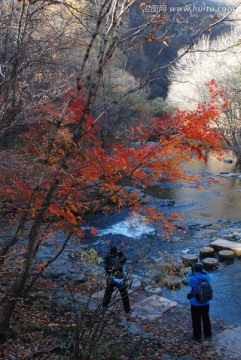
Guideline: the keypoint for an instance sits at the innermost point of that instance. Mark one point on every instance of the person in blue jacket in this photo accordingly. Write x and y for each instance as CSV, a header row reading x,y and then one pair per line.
x,y
199,311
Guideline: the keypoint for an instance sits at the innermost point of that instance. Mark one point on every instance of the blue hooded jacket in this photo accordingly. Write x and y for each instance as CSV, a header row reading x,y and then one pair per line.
x,y
193,279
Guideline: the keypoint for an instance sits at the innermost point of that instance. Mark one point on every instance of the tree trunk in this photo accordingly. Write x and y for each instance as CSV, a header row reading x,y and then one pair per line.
x,y
5,316
17,289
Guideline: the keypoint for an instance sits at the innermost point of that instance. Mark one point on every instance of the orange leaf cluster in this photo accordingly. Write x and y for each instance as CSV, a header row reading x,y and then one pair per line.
x,y
94,178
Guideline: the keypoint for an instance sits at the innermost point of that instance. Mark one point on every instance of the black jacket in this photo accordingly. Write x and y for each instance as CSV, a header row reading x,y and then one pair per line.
x,y
114,263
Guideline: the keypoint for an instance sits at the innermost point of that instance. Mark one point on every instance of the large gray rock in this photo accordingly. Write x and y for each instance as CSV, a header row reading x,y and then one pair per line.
x,y
227,343
152,308
153,290
221,244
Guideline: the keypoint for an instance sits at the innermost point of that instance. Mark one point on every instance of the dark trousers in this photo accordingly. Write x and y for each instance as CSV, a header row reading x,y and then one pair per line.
x,y
124,295
200,314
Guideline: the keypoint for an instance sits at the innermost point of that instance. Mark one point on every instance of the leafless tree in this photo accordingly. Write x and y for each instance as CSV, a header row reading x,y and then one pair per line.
x,y
49,46
217,59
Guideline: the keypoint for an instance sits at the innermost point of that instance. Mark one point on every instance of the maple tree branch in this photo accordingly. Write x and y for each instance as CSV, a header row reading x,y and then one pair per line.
x,y
50,261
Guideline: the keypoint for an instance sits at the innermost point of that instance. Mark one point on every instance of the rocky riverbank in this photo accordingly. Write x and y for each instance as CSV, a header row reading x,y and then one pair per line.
x,y
44,327
160,326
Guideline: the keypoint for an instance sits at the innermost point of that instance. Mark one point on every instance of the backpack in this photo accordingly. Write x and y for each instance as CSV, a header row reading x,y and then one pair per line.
x,y
115,271
114,265
204,292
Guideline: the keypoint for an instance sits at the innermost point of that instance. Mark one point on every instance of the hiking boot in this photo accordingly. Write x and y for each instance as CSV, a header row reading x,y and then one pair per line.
x,y
208,338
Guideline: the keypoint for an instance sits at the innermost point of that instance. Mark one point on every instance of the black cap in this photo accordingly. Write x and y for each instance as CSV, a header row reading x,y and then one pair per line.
x,y
113,250
198,267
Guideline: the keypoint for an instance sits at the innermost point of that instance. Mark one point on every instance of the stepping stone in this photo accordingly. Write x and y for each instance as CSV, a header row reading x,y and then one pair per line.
x,y
205,252
189,259
210,263
221,244
226,255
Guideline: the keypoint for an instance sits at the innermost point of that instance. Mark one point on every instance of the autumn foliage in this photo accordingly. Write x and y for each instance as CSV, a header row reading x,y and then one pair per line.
x,y
58,171
58,101
90,177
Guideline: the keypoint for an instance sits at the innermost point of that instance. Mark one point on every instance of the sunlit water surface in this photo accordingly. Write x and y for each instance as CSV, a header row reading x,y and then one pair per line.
x,y
204,203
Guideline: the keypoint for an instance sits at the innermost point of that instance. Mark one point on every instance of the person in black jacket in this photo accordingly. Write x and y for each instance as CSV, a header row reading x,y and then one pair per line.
x,y
114,262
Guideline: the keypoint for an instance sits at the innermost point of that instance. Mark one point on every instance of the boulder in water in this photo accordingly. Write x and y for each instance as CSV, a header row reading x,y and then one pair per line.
x,y
222,244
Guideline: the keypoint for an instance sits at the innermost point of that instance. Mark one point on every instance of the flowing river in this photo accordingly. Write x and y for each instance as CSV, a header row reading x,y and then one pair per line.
x,y
209,209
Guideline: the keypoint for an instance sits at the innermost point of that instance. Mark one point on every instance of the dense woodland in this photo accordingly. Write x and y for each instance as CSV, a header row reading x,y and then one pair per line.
x,y
81,96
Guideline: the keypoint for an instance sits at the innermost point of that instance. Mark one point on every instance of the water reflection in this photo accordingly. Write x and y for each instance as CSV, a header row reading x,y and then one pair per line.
x,y
205,200
207,203
198,203
216,166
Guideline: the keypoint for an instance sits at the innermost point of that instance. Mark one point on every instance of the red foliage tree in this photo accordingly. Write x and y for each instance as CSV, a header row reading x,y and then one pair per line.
x,y
58,169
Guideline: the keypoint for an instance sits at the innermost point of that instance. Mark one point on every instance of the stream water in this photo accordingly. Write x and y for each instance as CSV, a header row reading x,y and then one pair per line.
x,y
209,209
